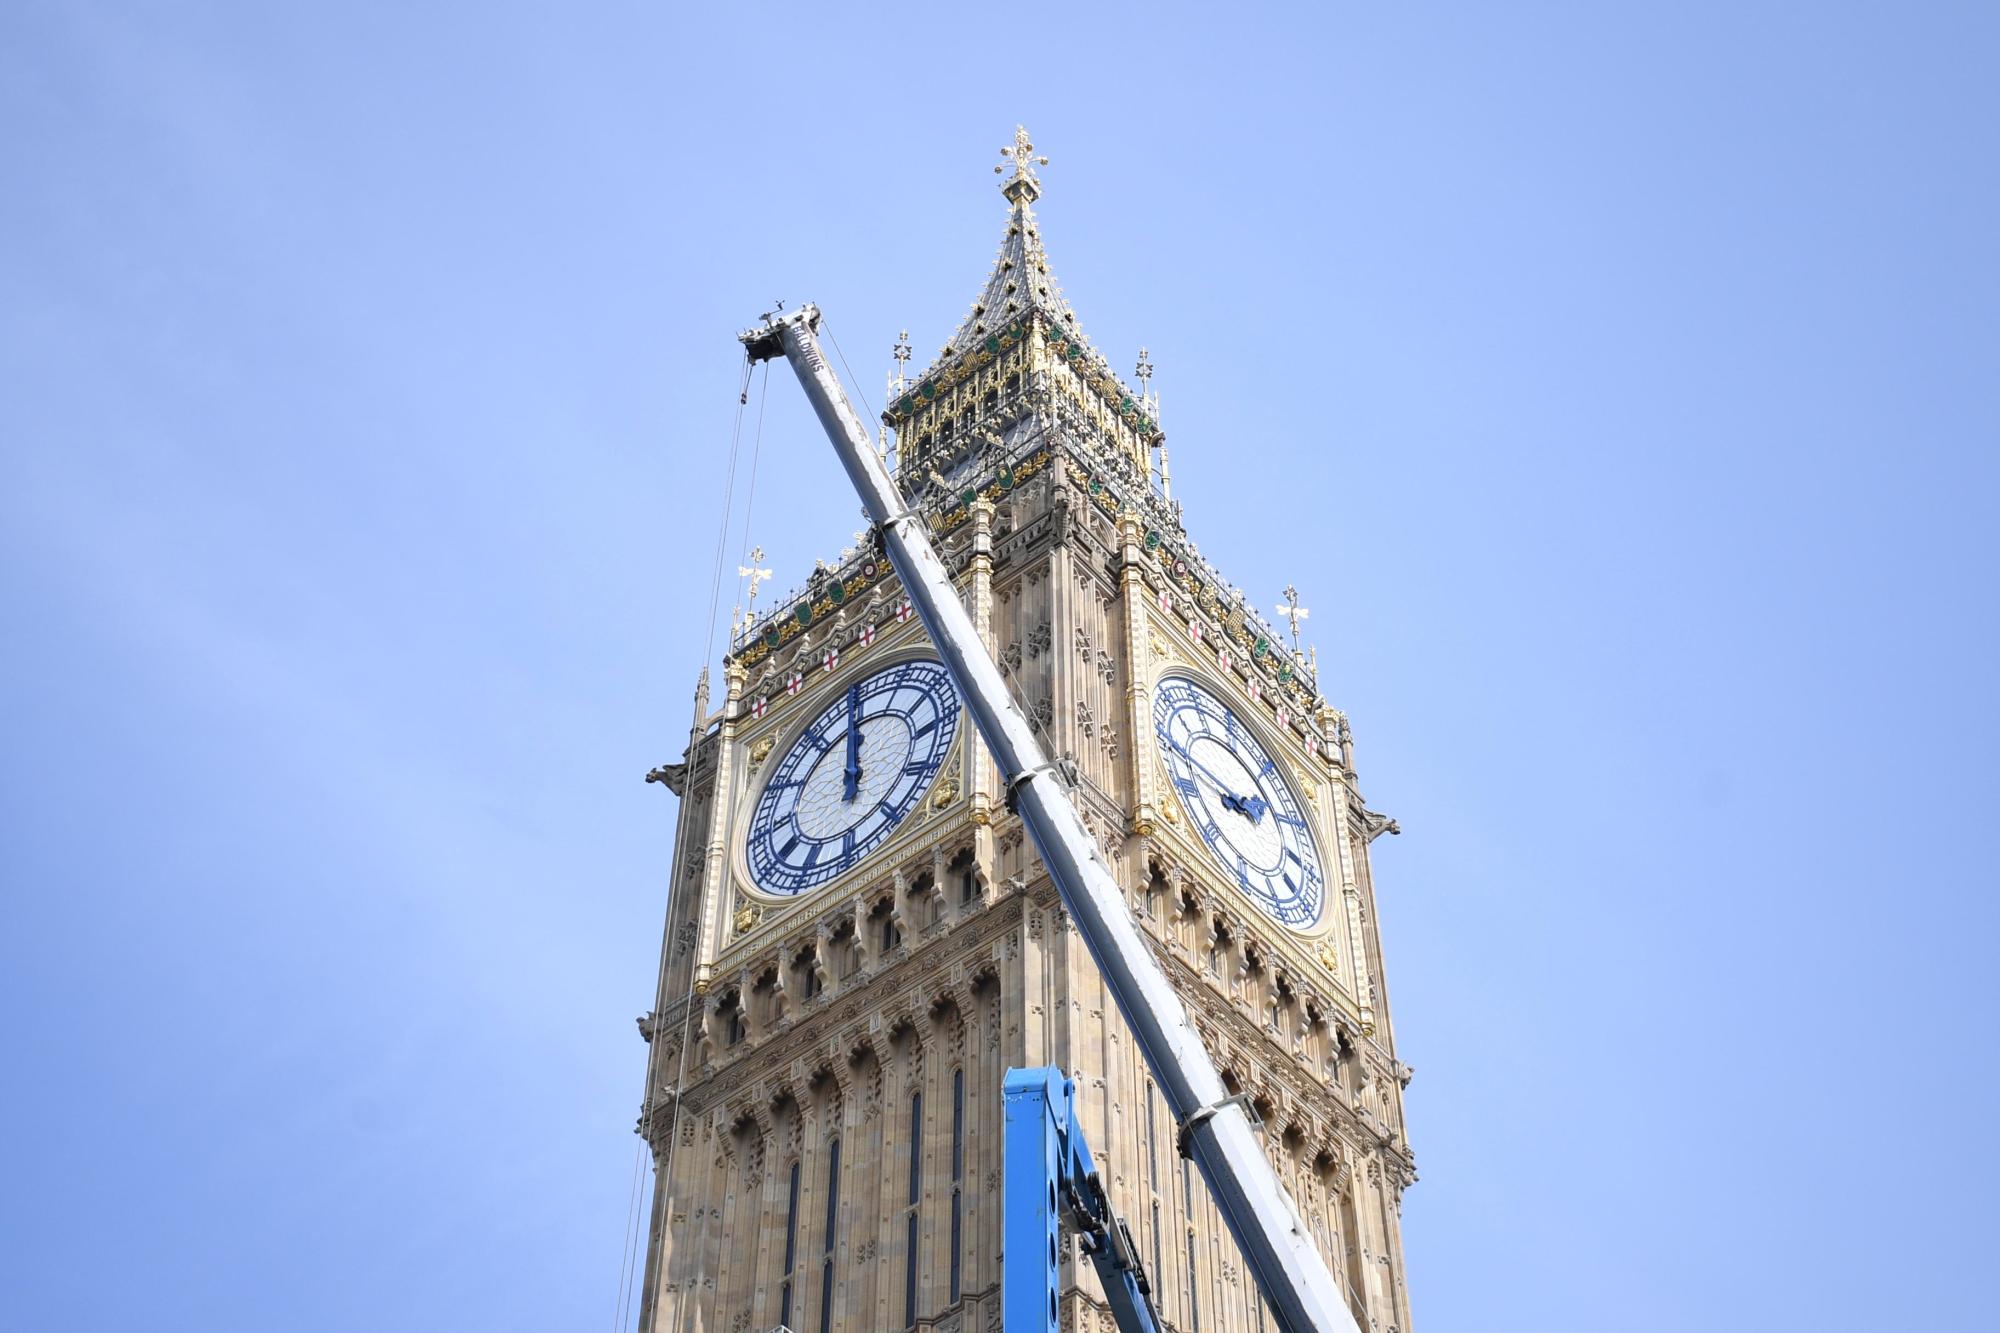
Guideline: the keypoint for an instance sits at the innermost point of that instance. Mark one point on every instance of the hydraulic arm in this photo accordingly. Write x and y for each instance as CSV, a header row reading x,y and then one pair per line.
x,y
1051,1178
1215,1131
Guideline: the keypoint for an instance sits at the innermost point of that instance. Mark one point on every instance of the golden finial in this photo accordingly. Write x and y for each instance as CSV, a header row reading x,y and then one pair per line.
x,y
1022,185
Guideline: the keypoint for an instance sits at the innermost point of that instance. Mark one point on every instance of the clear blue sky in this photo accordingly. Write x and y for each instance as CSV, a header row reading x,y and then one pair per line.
x,y
1616,382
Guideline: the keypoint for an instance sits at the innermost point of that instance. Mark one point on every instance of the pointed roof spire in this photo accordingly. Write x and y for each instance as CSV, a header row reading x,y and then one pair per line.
x,y
1021,279
1021,293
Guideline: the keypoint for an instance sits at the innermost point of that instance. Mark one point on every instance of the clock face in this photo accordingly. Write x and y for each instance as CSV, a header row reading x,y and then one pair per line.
x,y
1237,796
852,774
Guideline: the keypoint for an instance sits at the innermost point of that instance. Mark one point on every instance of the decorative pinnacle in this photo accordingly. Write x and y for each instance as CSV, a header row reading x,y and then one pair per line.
x,y
1292,611
754,574
1021,187
1144,371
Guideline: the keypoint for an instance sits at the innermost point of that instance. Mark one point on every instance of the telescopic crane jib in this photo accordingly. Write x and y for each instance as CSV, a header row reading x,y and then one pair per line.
x,y
1216,1130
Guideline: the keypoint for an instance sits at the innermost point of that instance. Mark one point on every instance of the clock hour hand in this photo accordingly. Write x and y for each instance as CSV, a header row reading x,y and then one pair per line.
x,y
851,775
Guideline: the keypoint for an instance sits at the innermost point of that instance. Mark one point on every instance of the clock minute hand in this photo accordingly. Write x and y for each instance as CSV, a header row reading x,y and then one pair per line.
x,y
1251,806
851,774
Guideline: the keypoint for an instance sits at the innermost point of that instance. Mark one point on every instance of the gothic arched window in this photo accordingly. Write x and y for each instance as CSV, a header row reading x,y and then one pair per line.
x,y
883,915
832,1227
791,1250
910,1226
732,1018
957,1169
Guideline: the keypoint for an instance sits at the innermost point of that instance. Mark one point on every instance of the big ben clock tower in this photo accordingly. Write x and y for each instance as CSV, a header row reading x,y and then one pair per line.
x,y
860,940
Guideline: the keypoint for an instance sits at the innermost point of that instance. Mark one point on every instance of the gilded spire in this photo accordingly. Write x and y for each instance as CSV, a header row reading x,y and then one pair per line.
x,y
1020,280
1021,293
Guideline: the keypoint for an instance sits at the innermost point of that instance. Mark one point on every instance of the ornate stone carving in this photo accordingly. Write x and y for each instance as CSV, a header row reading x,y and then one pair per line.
x,y
855,1050
1375,825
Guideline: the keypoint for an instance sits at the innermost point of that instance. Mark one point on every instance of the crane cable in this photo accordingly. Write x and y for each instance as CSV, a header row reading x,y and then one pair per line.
x,y
750,496
630,1260
629,1269
729,502
756,451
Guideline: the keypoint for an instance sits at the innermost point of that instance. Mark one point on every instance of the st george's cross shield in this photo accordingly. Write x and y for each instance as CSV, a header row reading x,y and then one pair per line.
x,y
904,610
793,681
831,658
762,706
867,635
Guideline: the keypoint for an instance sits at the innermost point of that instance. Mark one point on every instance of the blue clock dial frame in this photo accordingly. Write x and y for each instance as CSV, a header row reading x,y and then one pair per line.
x,y
1236,795
850,777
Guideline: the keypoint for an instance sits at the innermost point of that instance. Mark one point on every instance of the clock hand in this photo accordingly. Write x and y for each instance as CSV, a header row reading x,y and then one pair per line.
x,y
851,775
1252,806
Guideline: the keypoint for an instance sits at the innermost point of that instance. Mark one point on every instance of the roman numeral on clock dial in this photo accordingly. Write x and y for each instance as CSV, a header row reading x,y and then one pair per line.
x,y
850,775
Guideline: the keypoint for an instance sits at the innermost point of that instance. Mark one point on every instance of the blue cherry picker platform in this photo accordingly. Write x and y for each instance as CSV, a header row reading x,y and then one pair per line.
x,y
1051,1180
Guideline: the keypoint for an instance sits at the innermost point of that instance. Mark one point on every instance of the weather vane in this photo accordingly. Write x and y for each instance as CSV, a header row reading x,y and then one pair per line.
x,y
754,574
1292,611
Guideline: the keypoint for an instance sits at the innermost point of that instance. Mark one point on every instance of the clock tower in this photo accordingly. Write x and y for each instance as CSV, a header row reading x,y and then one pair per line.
x,y
860,940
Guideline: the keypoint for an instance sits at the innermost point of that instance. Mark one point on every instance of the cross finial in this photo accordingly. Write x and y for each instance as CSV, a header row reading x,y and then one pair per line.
x,y
1292,611
1144,370
902,355
755,575
1022,185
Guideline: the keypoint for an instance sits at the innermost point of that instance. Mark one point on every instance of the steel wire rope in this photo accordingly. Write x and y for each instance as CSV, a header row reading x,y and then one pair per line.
x,y
1040,434
1032,717
687,1001
750,497
729,503
630,1267
627,1257
852,378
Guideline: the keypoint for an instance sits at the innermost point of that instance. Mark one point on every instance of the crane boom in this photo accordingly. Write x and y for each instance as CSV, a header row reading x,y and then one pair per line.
x,y
1216,1130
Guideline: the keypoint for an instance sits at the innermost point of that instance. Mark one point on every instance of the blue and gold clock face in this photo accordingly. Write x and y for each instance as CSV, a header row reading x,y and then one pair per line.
x,y
1236,795
851,776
